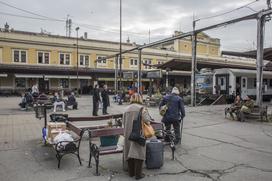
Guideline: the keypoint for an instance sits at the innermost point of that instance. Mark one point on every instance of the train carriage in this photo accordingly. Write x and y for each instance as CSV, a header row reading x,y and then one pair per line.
x,y
240,82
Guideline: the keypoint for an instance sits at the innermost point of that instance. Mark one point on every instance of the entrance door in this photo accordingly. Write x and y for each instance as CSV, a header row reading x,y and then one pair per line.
x,y
243,87
43,85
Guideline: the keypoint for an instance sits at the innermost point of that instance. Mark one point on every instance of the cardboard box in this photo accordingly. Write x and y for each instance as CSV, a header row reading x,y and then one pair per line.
x,y
53,129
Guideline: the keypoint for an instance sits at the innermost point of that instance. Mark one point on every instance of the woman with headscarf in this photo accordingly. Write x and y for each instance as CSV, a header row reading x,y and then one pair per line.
x,y
96,100
134,153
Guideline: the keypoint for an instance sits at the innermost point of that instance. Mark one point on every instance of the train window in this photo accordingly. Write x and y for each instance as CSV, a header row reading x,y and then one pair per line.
x,y
222,81
244,82
255,82
270,82
265,81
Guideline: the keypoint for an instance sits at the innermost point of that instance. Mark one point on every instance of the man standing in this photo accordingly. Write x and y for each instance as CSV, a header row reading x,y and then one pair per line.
x,y
105,99
96,100
174,114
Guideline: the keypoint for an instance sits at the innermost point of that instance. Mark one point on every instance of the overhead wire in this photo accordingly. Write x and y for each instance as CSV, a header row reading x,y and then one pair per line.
x,y
224,13
46,18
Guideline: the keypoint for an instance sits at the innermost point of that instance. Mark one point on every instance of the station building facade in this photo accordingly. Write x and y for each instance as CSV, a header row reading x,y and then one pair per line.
x,y
28,58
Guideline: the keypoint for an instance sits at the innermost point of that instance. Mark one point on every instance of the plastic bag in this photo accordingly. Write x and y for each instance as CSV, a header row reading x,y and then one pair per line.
x,y
64,138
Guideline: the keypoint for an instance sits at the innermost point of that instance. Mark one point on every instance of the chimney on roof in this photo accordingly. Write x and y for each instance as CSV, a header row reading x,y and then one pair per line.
x,y
128,40
6,26
85,35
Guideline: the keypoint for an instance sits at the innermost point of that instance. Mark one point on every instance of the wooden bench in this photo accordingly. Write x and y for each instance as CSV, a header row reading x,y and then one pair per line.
x,y
96,151
256,113
71,147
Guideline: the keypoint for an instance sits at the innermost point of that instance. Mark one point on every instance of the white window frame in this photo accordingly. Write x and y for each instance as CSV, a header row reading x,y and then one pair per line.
x,y
84,60
160,62
134,63
43,61
149,62
104,63
70,59
20,55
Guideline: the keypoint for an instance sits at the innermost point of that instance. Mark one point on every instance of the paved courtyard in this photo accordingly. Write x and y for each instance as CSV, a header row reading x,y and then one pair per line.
x,y
213,148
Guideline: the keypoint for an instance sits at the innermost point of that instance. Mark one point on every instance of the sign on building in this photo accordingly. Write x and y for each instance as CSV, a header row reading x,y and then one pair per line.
x,y
128,75
154,74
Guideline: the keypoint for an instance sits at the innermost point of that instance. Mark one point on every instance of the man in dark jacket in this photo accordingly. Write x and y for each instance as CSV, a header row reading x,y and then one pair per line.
x,y
174,114
96,100
105,99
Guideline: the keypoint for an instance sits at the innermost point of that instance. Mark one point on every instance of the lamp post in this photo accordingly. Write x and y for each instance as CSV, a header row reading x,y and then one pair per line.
x,y
77,28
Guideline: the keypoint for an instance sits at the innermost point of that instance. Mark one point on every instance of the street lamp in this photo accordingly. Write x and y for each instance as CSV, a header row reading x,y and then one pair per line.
x,y
77,28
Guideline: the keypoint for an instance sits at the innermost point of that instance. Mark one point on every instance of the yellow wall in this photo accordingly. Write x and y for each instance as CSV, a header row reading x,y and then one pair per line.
x,y
7,54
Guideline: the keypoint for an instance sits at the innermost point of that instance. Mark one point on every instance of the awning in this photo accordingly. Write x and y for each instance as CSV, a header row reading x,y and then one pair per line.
x,y
66,77
3,75
124,80
28,76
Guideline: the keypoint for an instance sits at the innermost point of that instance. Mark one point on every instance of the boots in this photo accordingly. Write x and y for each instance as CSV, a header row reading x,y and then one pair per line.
x,y
131,167
138,169
135,168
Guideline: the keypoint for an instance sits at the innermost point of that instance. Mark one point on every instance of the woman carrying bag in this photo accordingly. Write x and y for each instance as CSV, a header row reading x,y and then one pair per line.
x,y
134,152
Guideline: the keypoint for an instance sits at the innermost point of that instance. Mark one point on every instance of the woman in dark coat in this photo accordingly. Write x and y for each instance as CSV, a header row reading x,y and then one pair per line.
x,y
96,100
105,99
174,114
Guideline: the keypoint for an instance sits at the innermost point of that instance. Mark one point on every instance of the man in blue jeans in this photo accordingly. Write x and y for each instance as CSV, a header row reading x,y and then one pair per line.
x,y
174,114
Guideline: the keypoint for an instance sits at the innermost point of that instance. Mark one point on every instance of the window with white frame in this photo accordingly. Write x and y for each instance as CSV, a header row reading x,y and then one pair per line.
x,y
101,61
133,63
65,58
147,62
160,62
43,57
19,56
84,60
64,83
20,82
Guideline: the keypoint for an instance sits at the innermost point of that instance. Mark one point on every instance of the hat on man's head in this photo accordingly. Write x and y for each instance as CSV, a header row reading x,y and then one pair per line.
x,y
175,91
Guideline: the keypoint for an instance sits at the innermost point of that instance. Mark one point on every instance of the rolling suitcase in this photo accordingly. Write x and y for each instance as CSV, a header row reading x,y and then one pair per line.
x,y
154,154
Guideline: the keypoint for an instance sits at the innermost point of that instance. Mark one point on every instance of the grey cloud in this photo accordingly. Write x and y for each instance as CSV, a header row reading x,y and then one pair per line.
x,y
161,16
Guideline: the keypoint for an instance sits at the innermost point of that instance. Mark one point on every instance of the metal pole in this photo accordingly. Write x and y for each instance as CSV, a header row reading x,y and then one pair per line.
x,y
115,75
120,53
139,69
167,77
193,91
259,61
77,59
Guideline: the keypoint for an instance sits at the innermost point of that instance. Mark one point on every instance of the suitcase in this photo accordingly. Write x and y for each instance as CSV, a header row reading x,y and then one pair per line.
x,y
154,154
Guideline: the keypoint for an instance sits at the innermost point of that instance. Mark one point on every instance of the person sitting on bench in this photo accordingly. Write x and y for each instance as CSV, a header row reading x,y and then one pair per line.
x,y
246,108
71,101
58,102
26,100
235,107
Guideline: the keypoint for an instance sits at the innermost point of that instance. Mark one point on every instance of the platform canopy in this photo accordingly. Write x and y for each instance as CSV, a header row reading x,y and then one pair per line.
x,y
251,54
185,64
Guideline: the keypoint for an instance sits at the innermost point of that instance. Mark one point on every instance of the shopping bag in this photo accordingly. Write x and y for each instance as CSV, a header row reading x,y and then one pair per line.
x,y
147,130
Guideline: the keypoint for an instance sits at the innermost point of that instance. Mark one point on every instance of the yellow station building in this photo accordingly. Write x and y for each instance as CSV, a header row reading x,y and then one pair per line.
x,y
28,58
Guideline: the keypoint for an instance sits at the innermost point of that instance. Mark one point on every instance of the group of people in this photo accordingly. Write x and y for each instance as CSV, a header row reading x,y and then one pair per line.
x,y
100,97
59,101
134,153
240,107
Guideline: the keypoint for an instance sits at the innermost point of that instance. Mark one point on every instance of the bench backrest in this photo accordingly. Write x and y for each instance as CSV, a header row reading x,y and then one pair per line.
x,y
75,129
106,132
95,118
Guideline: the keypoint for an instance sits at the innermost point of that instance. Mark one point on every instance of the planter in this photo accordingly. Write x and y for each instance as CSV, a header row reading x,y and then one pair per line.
x,y
109,140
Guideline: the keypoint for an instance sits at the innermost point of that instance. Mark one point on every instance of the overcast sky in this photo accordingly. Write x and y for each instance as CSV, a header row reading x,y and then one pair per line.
x,y
100,18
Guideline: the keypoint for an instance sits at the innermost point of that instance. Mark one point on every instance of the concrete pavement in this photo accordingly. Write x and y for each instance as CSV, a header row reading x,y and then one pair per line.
x,y
213,148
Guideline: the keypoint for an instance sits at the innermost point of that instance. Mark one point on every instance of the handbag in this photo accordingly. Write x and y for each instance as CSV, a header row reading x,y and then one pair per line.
x,y
148,130
163,110
136,135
